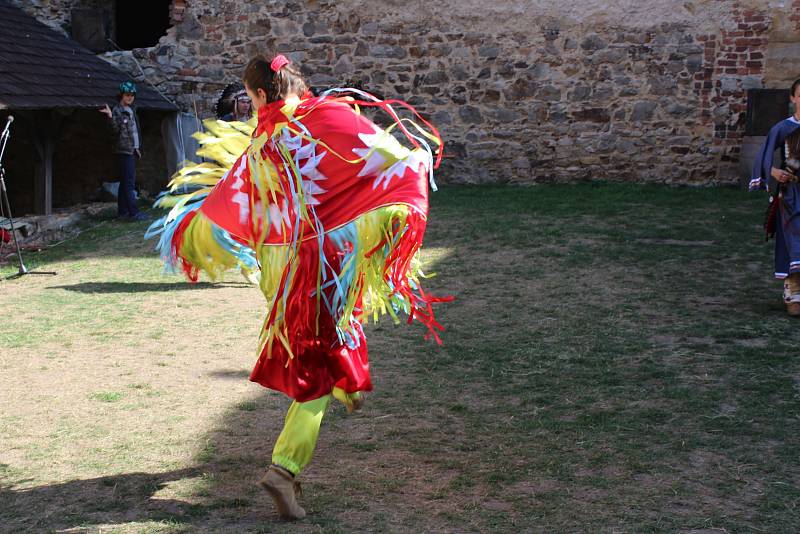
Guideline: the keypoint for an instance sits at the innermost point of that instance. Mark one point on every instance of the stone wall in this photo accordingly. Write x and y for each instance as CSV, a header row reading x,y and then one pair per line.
x,y
57,13
523,91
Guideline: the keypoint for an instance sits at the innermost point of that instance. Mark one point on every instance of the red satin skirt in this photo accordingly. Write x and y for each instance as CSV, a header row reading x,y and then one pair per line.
x,y
320,361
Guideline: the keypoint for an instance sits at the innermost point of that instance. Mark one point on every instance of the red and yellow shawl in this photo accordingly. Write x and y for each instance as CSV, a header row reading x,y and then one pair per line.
x,y
330,211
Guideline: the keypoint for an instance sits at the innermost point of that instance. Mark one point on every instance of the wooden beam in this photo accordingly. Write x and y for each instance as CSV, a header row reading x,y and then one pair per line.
x,y
46,130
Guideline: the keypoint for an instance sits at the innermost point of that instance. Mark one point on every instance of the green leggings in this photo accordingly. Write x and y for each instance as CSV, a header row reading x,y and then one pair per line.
x,y
298,439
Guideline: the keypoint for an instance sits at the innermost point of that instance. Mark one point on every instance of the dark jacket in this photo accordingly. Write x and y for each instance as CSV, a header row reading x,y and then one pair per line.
x,y
122,129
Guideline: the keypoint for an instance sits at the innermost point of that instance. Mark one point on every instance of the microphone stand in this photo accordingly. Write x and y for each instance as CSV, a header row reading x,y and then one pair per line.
x,y
4,137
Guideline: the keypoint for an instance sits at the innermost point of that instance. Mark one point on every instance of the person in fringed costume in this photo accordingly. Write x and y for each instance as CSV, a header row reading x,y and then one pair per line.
x,y
779,177
330,210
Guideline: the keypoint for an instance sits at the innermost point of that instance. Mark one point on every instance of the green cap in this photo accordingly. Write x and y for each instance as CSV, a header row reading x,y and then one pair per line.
x,y
127,87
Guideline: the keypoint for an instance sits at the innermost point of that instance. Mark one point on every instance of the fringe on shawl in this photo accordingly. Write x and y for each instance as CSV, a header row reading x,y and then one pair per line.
x,y
376,271
189,241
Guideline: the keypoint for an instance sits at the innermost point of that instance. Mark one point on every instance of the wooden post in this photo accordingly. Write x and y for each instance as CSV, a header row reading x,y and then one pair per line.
x,y
43,177
46,129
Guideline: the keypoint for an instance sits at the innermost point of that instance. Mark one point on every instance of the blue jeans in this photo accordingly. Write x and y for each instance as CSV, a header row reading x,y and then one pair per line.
x,y
126,201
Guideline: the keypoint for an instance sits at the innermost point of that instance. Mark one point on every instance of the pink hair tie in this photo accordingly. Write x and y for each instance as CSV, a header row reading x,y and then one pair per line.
x,y
279,62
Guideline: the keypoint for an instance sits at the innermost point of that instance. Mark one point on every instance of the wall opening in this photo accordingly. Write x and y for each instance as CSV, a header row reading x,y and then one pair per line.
x,y
765,107
141,24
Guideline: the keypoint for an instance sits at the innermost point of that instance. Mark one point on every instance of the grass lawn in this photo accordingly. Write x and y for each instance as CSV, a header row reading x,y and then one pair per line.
x,y
617,360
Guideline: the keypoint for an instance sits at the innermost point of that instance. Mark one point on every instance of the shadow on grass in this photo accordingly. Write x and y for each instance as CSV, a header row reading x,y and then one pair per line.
x,y
216,492
230,374
143,287
111,499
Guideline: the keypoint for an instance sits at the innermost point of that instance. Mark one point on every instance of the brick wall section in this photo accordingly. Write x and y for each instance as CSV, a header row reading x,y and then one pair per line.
x,y
559,99
738,65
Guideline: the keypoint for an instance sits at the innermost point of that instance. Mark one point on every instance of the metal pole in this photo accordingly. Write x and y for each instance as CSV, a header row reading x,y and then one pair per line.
x,y
4,137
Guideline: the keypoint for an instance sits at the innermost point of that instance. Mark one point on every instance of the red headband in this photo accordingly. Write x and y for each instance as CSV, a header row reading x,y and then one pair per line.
x,y
279,62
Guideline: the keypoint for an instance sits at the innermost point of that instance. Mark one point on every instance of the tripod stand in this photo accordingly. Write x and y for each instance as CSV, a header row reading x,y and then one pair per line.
x,y
6,206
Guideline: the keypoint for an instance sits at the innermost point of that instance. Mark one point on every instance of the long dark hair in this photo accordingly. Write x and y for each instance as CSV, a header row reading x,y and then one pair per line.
x,y
277,85
795,85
